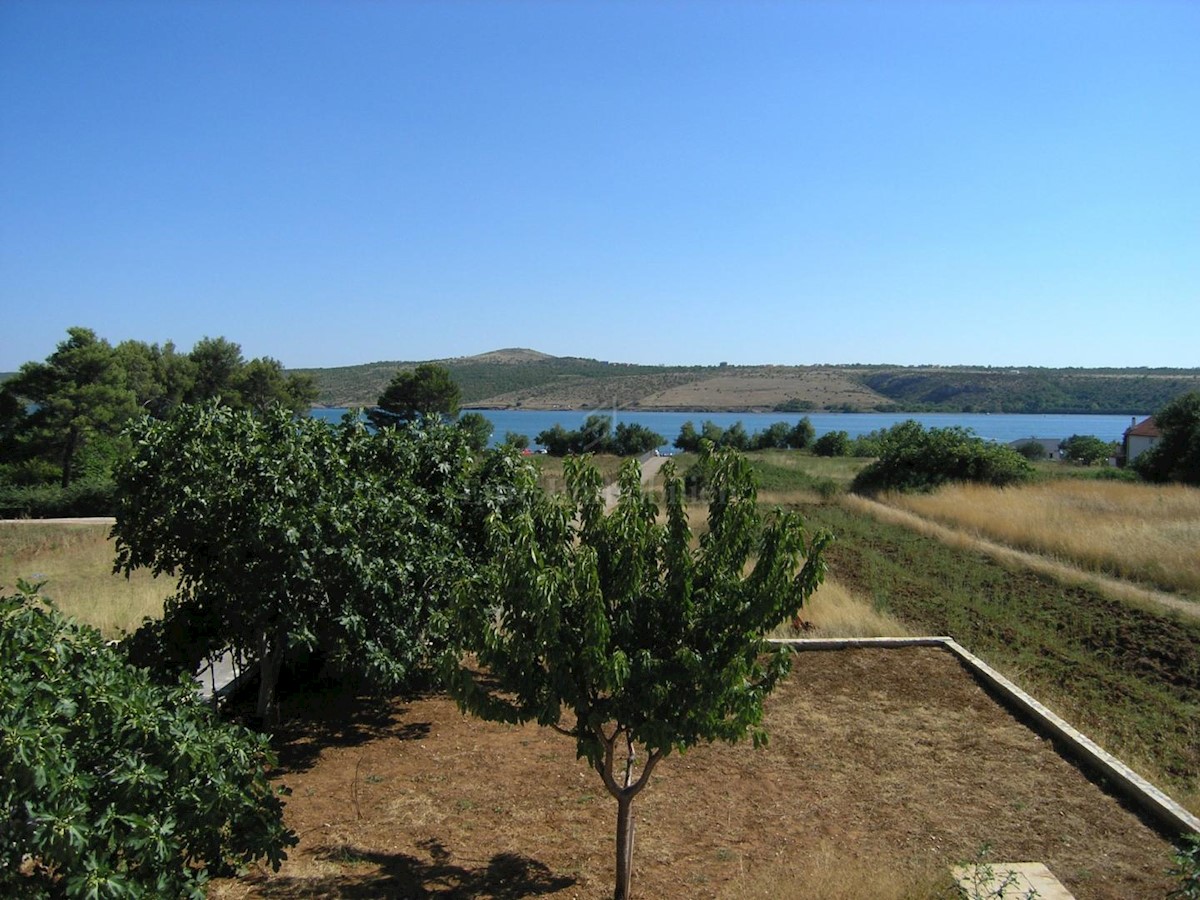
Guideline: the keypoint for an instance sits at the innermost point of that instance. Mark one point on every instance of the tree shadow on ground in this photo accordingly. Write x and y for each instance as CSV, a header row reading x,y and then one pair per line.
x,y
369,874
327,713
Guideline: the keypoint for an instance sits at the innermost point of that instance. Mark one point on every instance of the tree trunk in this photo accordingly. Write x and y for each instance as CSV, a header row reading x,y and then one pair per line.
x,y
270,661
624,847
68,457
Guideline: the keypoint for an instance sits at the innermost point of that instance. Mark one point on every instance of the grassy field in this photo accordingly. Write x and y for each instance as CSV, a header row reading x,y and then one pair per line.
x,y
1128,674
551,469
75,562
1142,532
784,473
1129,677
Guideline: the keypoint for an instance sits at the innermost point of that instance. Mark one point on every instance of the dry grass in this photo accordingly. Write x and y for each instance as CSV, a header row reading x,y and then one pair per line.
x,y
884,768
1135,595
764,389
550,470
828,873
834,611
1146,533
75,562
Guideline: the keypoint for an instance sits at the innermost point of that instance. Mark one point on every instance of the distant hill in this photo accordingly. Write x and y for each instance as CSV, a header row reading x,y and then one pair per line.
x,y
521,378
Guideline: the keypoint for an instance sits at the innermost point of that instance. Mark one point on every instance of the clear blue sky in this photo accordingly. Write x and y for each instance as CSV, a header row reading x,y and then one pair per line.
x,y
329,183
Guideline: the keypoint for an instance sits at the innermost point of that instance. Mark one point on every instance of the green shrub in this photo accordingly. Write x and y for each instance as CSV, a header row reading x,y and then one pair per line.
x,y
1087,449
113,786
912,458
832,443
1186,870
1031,450
43,501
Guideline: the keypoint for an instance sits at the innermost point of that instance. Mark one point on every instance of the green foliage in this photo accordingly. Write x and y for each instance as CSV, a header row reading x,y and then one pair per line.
x,y
802,434
1026,390
688,440
614,630
426,391
219,372
795,404
832,443
516,441
477,429
869,444
48,501
773,437
159,377
713,433
1186,869
1086,449
596,436
1176,456
111,785
914,458
1031,450
79,399
557,440
484,377
632,439
66,415
773,476
735,437
262,384
945,389
215,362
293,533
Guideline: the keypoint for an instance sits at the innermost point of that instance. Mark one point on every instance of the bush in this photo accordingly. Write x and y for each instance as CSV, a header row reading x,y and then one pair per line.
x,y
83,498
832,443
1031,450
914,459
1086,449
1186,869
113,785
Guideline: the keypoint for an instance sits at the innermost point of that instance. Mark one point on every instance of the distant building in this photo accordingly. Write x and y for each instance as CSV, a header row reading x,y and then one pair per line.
x,y
1140,437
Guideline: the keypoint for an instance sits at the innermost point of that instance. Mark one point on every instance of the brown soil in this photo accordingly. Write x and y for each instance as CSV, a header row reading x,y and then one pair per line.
x,y
881,764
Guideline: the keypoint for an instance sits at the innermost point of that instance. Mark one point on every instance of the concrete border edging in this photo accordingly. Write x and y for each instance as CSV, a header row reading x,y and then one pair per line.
x,y
1126,782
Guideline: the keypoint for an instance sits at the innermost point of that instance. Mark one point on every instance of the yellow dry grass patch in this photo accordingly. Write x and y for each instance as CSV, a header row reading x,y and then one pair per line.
x,y
834,611
75,562
831,875
1146,533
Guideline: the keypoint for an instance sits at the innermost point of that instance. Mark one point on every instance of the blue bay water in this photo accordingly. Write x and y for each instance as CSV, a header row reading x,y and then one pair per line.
x,y
1001,427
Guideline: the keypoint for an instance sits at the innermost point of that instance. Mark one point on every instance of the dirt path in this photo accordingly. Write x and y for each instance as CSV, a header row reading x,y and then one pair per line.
x,y
1114,587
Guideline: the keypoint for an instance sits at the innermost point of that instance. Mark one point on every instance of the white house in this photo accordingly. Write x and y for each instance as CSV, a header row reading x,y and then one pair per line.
x,y
1140,437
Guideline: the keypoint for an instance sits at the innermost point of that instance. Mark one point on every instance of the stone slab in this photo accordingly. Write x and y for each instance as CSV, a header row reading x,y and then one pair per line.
x,y
1013,881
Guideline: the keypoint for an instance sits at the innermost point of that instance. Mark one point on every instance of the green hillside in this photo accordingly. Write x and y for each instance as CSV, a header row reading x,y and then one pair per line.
x,y
479,377
516,378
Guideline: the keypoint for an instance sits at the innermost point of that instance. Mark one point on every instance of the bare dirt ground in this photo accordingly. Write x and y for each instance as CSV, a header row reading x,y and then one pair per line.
x,y
881,764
